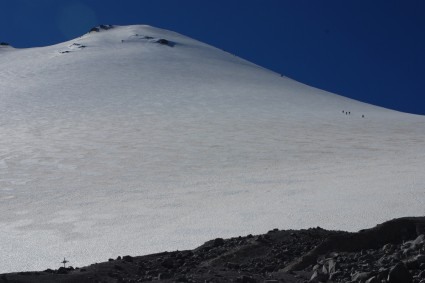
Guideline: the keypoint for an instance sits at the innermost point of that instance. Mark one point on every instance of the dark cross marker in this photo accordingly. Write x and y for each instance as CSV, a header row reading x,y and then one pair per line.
x,y
64,262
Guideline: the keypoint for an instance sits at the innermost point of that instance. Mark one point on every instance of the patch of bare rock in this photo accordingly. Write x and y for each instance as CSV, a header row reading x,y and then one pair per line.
x,y
392,252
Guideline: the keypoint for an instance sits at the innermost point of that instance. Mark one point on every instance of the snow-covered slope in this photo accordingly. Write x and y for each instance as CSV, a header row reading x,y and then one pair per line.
x,y
118,143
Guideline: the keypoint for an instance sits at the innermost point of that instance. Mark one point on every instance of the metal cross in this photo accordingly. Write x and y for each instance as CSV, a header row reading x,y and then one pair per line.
x,y
64,262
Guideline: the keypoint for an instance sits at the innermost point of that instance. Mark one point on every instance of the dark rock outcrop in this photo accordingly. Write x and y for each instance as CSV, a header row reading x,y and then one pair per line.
x,y
390,252
101,27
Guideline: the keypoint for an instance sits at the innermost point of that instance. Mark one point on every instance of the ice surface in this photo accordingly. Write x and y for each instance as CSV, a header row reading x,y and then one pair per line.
x,y
127,146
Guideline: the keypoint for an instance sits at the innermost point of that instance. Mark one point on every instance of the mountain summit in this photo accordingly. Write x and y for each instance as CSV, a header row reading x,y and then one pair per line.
x,y
134,139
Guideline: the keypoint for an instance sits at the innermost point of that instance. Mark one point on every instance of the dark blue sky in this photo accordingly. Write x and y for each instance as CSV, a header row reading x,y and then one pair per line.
x,y
369,50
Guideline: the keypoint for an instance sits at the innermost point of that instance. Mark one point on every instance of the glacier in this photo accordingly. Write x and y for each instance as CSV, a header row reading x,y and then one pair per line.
x,y
114,143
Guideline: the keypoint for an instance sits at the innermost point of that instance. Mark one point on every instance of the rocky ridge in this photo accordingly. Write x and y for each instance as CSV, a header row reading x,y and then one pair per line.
x,y
392,252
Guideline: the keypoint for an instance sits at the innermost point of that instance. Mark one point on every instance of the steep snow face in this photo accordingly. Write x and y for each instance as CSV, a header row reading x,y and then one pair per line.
x,y
133,140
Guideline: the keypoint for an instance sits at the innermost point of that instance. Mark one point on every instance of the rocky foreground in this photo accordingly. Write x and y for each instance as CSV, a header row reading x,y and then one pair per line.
x,y
391,252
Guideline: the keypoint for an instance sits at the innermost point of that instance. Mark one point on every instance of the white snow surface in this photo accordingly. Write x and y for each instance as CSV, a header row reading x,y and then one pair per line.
x,y
127,146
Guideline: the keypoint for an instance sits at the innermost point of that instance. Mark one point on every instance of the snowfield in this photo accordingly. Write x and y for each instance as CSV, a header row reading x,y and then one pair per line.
x,y
115,144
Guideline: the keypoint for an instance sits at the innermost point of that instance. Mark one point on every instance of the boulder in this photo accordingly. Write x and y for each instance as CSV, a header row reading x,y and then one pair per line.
x,y
388,248
382,274
165,275
361,276
330,266
127,258
319,276
420,259
106,27
412,264
162,41
62,270
165,42
168,263
218,242
399,274
372,280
